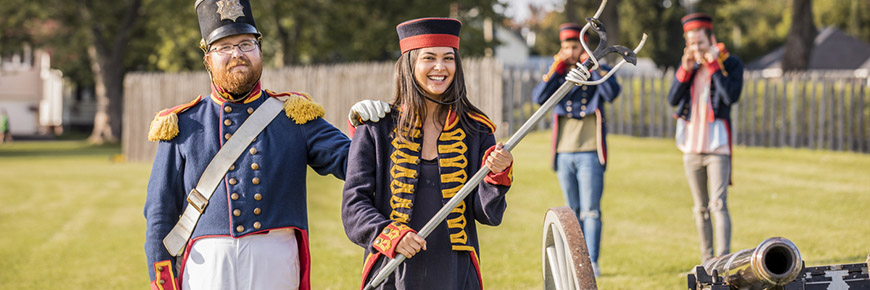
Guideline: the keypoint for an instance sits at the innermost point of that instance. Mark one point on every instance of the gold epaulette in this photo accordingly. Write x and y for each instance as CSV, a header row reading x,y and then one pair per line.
x,y
299,106
164,127
483,119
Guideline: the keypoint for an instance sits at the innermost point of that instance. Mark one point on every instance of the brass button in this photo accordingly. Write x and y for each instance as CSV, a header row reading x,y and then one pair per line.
x,y
387,230
240,228
255,166
228,109
378,240
253,151
568,103
568,109
583,88
233,181
232,167
258,196
583,108
234,196
256,180
159,268
257,211
228,122
237,212
162,282
227,136
583,101
257,225
410,204
250,110
582,114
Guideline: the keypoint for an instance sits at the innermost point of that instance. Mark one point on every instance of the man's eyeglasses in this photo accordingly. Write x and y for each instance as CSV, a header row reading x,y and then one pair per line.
x,y
244,46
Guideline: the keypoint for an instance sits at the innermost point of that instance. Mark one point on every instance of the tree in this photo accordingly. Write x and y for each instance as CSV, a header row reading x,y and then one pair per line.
x,y
106,51
799,43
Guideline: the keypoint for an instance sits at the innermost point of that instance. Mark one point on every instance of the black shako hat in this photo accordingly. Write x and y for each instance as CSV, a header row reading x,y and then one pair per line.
x,y
428,32
222,18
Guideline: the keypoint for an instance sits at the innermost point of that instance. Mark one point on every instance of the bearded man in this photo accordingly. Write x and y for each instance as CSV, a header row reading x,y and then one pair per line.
x,y
226,203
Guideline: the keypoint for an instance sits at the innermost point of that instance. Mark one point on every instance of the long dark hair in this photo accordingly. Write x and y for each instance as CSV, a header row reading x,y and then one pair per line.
x,y
411,101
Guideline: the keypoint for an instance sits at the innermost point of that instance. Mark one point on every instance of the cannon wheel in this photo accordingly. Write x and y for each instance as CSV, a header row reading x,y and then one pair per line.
x,y
566,259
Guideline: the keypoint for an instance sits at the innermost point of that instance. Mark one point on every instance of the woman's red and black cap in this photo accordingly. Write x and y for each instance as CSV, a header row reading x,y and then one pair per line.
x,y
571,31
428,32
697,20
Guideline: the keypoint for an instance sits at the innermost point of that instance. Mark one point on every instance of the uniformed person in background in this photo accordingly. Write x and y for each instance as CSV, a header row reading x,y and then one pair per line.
x,y
579,150
706,85
252,233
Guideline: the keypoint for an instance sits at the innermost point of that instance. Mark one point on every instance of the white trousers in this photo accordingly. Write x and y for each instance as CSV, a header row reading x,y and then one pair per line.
x,y
265,261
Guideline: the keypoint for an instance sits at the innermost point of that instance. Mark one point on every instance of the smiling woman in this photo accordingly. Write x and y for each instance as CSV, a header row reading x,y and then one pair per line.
x,y
434,137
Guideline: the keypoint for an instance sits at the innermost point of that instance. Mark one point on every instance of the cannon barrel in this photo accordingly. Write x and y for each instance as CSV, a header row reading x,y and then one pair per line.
x,y
774,262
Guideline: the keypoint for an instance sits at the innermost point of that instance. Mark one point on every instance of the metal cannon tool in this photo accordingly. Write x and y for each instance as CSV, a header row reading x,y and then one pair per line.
x,y
775,264
577,76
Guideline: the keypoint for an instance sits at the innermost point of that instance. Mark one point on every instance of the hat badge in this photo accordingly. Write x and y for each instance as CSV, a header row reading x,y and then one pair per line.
x,y
230,9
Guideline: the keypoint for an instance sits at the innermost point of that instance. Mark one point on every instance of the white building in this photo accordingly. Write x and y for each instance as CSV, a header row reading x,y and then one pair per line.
x,y
32,94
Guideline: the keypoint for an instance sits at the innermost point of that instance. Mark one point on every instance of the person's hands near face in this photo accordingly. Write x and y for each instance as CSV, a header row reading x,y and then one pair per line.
x,y
713,52
570,51
688,60
699,44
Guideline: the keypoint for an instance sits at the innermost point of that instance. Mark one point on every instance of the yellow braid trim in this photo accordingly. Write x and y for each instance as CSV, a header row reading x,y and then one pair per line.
x,y
302,109
163,128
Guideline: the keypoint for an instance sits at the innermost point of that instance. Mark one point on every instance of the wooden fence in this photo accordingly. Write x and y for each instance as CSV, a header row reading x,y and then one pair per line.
x,y
336,87
816,110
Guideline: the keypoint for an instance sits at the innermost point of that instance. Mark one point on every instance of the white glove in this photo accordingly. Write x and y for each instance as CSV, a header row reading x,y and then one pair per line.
x,y
367,110
578,74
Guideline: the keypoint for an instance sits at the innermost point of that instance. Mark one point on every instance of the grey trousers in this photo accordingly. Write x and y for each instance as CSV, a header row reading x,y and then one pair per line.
x,y
713,170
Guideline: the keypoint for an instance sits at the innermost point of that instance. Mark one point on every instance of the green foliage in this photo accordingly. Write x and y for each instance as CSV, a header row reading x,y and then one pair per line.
x,y
662,24
749,28
78,229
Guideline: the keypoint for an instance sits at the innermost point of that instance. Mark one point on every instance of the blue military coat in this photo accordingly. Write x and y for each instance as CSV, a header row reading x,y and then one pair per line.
x,y
263,190
726,85
578,103
383,176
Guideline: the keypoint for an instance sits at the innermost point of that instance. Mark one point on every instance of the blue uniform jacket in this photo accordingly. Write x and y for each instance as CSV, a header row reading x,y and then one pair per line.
x,y
264,189
727,83
378,199
579,102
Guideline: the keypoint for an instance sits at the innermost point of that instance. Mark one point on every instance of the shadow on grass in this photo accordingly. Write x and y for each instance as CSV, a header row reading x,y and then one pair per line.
x,y
56,149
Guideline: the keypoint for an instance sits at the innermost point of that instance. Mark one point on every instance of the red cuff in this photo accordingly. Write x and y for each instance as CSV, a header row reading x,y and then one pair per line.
x,y
502,178
350,129
558,68
714,66
164,279
389,238
682,75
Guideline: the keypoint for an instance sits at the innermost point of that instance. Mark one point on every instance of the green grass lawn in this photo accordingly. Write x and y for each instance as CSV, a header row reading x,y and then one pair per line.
x,y
72,218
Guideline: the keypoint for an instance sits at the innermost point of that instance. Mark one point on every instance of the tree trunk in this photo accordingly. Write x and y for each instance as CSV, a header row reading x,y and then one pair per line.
x,y
610,19
107,64
571,7
799,43
102,129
